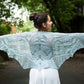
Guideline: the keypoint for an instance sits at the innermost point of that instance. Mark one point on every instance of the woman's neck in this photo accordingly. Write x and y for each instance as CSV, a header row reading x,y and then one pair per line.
x,y
40,31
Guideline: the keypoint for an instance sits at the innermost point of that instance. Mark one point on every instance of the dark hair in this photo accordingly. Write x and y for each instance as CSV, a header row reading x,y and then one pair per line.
x,y
38,19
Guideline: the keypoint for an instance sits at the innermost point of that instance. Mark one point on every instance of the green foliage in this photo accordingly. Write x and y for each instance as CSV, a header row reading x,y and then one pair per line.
x,y
61,11
4,11
20,23
27,26
78,1
5,29
31,5
78,23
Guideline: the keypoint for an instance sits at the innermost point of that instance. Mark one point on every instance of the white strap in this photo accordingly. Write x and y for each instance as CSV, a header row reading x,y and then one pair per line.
x,y
43,77
36,77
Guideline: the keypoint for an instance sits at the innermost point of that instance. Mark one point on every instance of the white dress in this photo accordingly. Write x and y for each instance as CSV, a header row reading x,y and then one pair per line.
x,y
44,76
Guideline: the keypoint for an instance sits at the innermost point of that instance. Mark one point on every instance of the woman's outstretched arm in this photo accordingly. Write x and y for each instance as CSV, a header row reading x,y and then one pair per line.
x,y
65,45
17,47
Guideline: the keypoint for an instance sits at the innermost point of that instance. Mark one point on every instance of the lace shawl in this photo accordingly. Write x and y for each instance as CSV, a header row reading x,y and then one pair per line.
x,y
41,49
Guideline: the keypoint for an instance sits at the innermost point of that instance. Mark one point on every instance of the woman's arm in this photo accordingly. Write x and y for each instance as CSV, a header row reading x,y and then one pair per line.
x,y
17,47
65,45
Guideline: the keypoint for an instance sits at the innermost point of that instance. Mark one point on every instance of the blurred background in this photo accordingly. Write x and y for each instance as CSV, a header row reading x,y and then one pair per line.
x,y
67,17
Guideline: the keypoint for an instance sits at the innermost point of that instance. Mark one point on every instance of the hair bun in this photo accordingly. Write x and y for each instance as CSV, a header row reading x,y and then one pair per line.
x,y
33,17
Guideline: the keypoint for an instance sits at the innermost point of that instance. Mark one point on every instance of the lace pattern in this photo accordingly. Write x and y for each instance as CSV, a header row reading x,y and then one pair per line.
x,y
41,49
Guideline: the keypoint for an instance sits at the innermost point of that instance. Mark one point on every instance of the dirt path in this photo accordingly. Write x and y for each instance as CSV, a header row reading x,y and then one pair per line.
x,y
71,72
12,73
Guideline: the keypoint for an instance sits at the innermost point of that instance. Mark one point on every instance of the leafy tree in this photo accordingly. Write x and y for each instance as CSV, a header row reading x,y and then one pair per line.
x,y
31,5
79,4
27,26
78,20
6,11
61,11
4,29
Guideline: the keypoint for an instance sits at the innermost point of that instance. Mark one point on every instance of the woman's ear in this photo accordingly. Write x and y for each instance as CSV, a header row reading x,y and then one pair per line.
x,y
43,25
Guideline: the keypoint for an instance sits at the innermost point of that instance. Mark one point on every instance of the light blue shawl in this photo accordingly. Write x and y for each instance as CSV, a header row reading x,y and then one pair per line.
x,y
41,49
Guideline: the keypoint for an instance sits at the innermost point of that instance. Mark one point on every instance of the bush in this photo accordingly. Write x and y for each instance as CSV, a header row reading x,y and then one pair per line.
x,y
5,29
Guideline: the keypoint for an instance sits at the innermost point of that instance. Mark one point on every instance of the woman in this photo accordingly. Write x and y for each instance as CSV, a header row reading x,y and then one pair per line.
x,y
43,52
43,23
